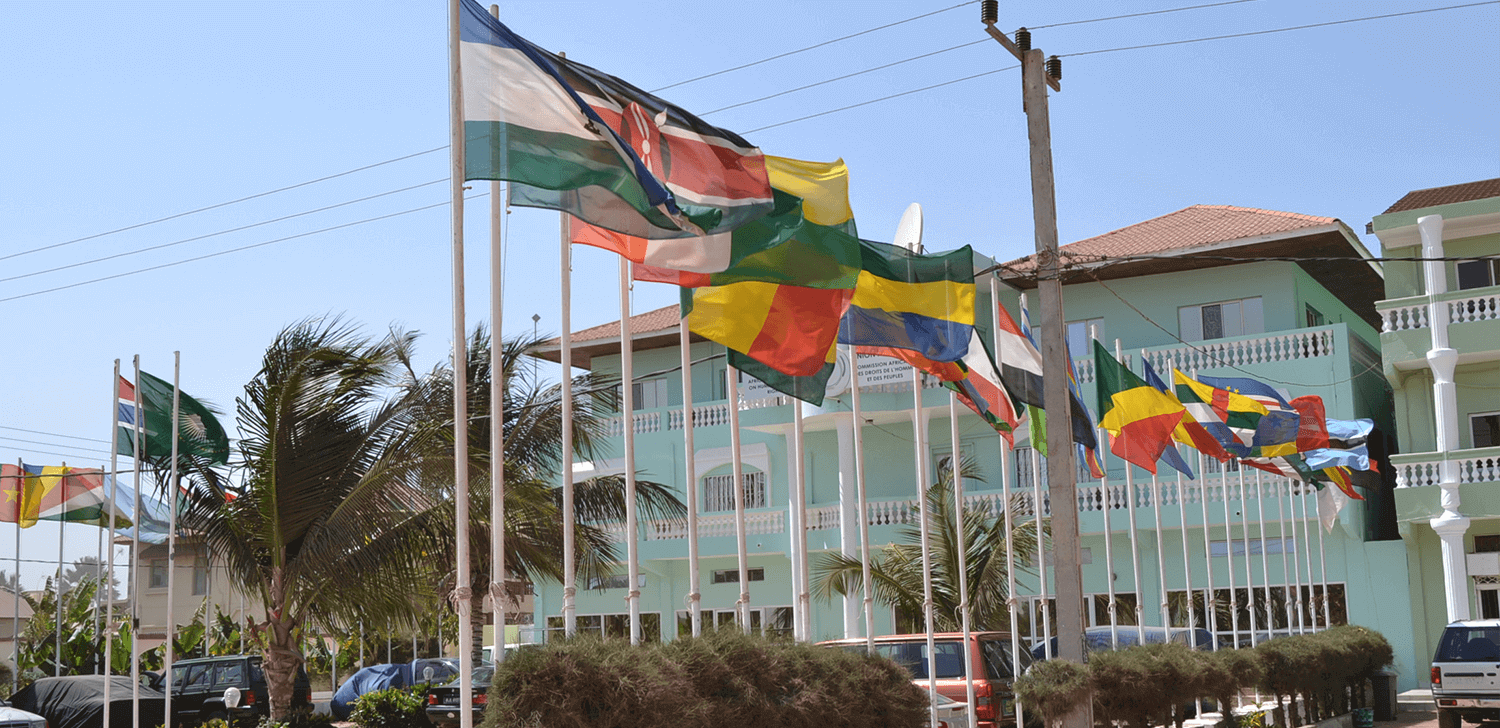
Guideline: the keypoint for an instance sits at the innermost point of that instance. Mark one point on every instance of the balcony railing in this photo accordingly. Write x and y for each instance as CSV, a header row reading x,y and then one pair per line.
x,y
1474,466
1407,314
1246,351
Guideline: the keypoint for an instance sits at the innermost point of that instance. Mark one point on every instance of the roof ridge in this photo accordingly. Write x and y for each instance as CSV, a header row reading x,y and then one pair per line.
x,y
1279,213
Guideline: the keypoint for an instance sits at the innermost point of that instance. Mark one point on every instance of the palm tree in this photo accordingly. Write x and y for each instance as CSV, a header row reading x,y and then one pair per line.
x,y
896,571
532,422
334,520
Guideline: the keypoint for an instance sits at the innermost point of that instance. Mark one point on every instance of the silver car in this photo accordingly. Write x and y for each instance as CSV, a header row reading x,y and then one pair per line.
x,y
1466,673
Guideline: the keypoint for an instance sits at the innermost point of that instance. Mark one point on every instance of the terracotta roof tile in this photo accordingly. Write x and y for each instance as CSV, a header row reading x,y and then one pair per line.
x,y
1448,195
662,319
1190,227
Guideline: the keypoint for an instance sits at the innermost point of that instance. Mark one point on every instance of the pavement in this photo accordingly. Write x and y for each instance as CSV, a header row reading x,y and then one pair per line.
x,y
1415,708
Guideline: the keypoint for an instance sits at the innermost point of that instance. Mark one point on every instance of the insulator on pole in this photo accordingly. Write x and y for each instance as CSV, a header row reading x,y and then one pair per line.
x,y
1054,68
1023,39
989,11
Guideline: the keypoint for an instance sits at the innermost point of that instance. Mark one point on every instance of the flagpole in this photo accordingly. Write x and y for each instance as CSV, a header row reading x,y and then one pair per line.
x,y
963,557
627,389
1187,561
1323,574
1249,571
1265,554
1011,603
1161,548
803,599
137,456
1293,624
794,517
1135,554
565,356
172,533
15,618
497,417
57,588
462,600
695,597
1109,546
737,470
1041,562
1234,600
864,518
98,583
919,430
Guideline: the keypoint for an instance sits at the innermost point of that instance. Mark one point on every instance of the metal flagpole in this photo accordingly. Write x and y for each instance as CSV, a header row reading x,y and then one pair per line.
x,y
1293,623
1041,561
1323,572
794,516
1011,603
58,589
919,431
497,419
803,600
139,426
1307,528
690,475
462,578
1234,598
1135,553
1249,572
742,604
963,557
1305,620
98,587
172,534
1265,553
15,616
1109,545
627,389
864,517
565,355
114,494
1187,561
1161,548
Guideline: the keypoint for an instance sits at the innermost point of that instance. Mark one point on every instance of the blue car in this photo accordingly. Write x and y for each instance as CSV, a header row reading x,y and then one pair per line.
x,y
1098,639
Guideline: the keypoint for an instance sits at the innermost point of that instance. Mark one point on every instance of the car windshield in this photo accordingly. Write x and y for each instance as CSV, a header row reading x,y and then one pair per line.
x,y
1469,644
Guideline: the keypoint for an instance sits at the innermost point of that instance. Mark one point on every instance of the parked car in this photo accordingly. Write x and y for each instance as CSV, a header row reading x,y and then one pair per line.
x,y
1099,639
443,701
1465,684
198,687
994,703
17,718
430,670
77,701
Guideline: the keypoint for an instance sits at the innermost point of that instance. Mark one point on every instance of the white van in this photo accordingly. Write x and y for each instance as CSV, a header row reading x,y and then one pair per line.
x,y
488,654
1466,673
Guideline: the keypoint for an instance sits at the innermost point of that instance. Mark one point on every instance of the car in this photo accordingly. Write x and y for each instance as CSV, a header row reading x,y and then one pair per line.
x,y
77,701
1099,639
430,670
17,718
443,701
1465,684
198,687
994,703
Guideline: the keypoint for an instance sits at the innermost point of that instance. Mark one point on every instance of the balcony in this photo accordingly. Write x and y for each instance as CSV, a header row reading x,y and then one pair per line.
x,y
1417,470
1474,327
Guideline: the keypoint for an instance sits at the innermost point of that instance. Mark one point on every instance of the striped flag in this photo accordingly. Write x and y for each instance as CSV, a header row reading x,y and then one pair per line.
x,y
973,378
1223,422
1020,362
1139,416
1275,431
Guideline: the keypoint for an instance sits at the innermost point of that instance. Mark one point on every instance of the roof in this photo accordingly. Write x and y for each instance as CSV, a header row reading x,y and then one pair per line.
x,y
1228,233
649,330
1446,195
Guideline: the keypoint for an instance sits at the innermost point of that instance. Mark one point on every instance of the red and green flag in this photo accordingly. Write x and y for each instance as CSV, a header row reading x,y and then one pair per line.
x,y
1139,416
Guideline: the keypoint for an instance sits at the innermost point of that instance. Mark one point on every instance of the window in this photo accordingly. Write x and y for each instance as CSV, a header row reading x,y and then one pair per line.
x,y
609,626
650,394
1486,544
1079,337
1212,465
158,577
1315,317
732,576
1257,546
1478,273
229,673
1486,429
718,492
1220,320
200,575
614,581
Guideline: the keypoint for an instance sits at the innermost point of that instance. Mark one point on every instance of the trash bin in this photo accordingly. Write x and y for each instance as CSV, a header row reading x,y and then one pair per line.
x,y
1384,684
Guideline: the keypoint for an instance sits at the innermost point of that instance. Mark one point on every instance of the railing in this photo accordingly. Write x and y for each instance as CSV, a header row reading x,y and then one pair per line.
x,y
718,524
1475,308
640,423
705,416
1403,317
1479,466
1289,346
1411,313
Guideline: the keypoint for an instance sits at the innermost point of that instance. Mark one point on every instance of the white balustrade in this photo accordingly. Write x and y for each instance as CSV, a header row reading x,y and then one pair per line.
x,y
1473,469
1403,318
1475,308
709,415
1287,346
642,423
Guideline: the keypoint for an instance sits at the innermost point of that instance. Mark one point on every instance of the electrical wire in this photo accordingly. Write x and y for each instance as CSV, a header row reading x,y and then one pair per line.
x,y
54,444
885,98
223,204
1139,15
53,434
242,228
1275,30
808,48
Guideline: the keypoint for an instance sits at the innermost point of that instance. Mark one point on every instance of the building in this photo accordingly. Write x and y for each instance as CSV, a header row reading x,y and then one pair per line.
x,y
1440,344
198,584
1286,298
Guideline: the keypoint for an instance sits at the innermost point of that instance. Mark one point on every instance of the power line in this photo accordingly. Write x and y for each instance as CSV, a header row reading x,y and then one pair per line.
x,y
53,434
883,98
1276,30
242,228
804,50
1139,15
53,444
222,204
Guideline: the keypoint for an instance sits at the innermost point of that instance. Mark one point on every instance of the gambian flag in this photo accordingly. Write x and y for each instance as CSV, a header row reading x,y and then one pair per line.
x,y
1219,423
973,378
907,300
1139,416
574,139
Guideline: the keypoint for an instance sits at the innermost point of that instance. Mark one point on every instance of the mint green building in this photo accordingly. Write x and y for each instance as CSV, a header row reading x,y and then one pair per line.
x,y
1285,298
1440,343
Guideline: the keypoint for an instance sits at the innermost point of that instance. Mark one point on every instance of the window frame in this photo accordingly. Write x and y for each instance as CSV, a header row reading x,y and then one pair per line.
x,y
156,568
1198,331
748,482
1474,419
1493,271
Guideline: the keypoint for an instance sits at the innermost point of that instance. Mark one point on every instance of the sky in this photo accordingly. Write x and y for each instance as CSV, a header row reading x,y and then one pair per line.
x,y
126,113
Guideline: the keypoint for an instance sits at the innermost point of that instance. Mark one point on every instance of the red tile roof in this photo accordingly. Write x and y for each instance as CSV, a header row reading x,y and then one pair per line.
x,y
1448,195
661,319
649,330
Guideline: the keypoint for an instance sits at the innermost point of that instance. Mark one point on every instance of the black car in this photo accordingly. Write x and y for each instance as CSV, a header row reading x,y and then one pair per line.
x,y
442,701
198,687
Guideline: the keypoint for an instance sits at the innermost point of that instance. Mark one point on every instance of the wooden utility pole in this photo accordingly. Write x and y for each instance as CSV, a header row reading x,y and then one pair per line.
x,y
1062,487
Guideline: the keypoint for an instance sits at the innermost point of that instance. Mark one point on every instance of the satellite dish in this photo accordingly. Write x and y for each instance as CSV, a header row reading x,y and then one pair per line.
x,y
231,698
909,230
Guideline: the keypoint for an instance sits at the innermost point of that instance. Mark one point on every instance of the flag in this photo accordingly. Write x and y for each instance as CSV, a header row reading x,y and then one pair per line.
x,y
1355,458
1216,418
973,378
199,433
788,329
908,300
1275,431
1170,456
1346,434
809,388
78,498
39,482
1312,423
1088,445
571,138
12,488
1339,476
1028,374
1020,362
154,514
1139,416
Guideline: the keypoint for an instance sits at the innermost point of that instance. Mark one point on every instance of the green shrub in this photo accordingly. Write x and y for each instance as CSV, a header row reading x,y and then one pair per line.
x,y
216,723
1052,688
390,708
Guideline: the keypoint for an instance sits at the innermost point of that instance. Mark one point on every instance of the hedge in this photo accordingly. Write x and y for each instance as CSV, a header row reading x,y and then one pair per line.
x,y
1150,685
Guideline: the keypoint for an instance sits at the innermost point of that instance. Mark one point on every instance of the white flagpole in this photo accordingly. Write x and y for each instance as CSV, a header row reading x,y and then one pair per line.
x,y
742,604
804,604
98,585
690,475
1187,561
794,524
15,616
1041,561
114,492
1300,545
565,354
963,557
138,458
172,533
462,601
1249,571
1109,546
1288,574
1006,452
1161,548
497,418
1234,600
1265,554
864,517
919,430
1210,614
1312,603
58,588
1135,553
627,390
1323,570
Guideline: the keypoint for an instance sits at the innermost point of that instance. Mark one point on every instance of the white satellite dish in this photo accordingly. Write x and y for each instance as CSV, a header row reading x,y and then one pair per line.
x,y
909,230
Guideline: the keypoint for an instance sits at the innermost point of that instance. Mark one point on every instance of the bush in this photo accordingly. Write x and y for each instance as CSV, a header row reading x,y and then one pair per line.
x,y
1052,688
390,708
300,718
721,680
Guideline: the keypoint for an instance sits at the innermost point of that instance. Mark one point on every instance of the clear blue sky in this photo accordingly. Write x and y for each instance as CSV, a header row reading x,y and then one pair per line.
x,y
124,112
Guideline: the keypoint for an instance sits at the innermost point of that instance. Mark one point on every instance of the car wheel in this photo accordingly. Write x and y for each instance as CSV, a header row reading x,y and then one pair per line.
x,y
1448,719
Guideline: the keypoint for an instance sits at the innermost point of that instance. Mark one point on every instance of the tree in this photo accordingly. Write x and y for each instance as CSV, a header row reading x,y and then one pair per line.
x,y
532,422
89,568
896,571
334,521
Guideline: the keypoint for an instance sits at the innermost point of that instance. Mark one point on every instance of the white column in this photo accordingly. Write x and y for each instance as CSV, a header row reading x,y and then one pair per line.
x,y
848,517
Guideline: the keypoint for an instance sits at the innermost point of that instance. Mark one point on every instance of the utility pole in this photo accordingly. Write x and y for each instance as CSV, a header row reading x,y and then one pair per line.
x,y
1037,73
